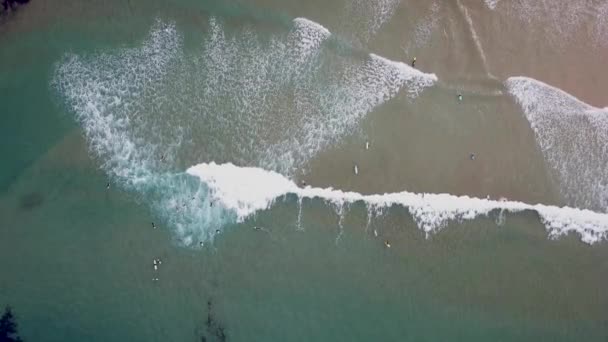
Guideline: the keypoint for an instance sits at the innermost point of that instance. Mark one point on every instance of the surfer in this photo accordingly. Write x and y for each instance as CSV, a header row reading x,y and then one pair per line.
x,y
387,244
356,170
367,145
414,62
472,156
303,183
459,97
108,186
153,225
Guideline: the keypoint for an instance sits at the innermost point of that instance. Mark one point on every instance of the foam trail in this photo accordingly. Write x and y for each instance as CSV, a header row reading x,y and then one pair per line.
x,y
476,41
573,137
245,190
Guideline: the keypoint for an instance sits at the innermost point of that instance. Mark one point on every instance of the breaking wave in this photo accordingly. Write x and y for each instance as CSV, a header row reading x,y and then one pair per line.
x,y
272,102
573,137
244,190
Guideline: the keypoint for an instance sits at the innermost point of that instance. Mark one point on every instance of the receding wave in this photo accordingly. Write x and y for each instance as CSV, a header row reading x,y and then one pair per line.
x,y
272,101
244,190
573,137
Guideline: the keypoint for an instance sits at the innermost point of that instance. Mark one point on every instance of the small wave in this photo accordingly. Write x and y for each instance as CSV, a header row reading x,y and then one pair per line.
x,y
246,190
573,137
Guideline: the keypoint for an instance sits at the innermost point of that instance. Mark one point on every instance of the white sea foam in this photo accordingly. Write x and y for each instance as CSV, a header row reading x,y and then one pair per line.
x,y
424,28
573,137
240,97
492,3
308,37
365,18
246,190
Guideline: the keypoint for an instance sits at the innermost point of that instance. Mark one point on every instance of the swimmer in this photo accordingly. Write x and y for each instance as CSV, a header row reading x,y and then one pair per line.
x,y
414,62
356,170
367,145
387,244
472,156
459,97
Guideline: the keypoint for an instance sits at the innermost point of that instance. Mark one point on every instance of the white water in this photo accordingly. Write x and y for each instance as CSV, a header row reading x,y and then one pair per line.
x,y
573,137
131,119
242,98
246,190
492,3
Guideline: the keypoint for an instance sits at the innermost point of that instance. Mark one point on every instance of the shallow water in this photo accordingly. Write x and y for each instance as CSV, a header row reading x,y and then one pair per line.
x,y
135,94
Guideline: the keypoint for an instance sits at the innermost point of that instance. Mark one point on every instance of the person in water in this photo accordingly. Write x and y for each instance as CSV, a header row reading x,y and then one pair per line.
x,y
414,62
459,97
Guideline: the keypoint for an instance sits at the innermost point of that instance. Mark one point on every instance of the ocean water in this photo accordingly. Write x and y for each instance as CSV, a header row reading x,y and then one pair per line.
x,y
297,178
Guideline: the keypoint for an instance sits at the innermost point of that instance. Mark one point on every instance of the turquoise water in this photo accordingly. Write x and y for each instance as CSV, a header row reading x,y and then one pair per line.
x,y
79,257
